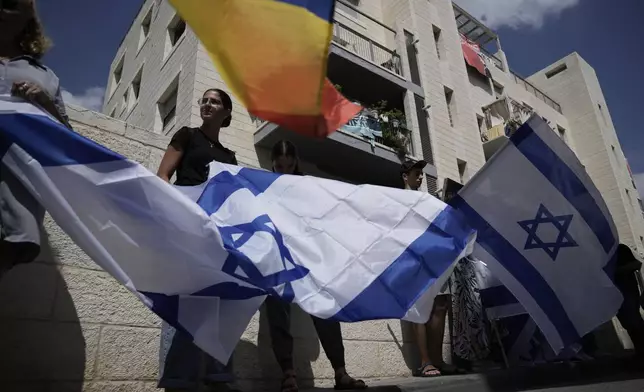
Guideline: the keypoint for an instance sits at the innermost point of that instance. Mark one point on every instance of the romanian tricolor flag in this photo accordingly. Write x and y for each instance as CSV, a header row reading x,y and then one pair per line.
x,y
273,56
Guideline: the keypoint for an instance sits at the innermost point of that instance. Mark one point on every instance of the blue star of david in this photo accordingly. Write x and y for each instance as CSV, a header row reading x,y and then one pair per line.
x,y
561,223
235,237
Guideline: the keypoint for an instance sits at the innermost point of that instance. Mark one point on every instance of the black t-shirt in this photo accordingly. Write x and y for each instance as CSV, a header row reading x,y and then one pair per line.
x,y
198,152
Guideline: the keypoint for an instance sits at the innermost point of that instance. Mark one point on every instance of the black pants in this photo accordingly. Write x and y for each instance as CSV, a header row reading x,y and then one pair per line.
x,y
279,321
629,313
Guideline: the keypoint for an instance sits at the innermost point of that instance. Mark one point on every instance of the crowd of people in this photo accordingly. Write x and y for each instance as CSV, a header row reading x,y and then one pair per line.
x,y
183,365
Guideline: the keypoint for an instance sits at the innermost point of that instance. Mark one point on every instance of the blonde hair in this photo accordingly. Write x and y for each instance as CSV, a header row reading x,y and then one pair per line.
x,y
33,40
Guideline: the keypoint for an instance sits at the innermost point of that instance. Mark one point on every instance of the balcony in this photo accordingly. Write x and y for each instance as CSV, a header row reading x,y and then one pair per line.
x,y
366,48
502,119
385,127
368,149
493,59
529,87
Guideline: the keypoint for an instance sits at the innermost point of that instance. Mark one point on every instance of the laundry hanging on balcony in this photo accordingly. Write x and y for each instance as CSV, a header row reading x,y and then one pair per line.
x,y
473,56
273,56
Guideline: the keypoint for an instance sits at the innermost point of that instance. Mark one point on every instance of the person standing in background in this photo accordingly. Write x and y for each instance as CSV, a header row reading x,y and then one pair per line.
x,y
429,336
184,366
22,46
629,313
285,161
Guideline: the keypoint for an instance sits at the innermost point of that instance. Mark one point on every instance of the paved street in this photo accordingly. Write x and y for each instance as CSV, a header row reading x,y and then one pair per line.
x,y
597,376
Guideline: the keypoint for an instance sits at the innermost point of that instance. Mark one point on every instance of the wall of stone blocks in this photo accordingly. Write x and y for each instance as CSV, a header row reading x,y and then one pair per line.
x,y
66,325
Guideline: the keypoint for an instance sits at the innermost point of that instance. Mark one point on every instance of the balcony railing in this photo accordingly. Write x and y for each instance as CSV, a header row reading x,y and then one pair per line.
x,y
495,60
369,125
529,87
366,48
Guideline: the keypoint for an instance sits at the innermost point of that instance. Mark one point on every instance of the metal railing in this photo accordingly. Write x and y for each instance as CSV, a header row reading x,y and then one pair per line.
x,y
366,48
403,134
495,60
529,87
369,124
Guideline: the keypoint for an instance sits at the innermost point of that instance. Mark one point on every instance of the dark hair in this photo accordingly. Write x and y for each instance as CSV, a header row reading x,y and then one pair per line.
x,y
284,148
33,40
226,101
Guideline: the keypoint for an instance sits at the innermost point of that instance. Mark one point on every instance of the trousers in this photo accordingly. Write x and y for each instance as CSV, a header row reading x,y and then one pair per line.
x,y
279,321
629,313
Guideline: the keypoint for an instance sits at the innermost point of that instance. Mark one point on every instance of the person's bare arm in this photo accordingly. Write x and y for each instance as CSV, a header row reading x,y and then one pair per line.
x,y
169,163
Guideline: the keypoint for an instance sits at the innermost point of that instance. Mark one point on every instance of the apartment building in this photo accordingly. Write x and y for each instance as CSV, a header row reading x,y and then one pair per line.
x,y
398,57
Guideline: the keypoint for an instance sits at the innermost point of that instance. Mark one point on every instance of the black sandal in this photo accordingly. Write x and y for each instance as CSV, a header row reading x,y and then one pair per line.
x,y
450,370
289,382
428,370
348,383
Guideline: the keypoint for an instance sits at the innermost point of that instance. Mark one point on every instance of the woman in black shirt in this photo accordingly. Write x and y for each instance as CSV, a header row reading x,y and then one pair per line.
x,y
191,150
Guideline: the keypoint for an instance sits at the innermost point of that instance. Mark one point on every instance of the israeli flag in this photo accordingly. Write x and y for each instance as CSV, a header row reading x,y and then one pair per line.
x,y
545,232
204,258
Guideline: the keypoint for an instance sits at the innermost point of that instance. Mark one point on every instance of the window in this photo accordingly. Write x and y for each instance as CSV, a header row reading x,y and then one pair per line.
x,y
423,128
167,107
562,132
480,122
612,147
412,56
449,100
124,102
135,89
347,9
601,112
462,170
117,74
556,71
498,90
136,85
113,113
145,27
176,30
437,41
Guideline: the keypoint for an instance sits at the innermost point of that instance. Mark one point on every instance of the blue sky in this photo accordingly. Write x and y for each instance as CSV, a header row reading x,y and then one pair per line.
x,y
534,33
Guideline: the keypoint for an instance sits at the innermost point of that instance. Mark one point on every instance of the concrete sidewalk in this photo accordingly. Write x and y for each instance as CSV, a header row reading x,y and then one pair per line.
x,y
617,374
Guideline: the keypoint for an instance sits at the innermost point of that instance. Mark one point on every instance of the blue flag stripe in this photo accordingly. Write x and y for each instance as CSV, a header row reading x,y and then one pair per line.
x,y
224,184
394,292
565,181
522,270
49,142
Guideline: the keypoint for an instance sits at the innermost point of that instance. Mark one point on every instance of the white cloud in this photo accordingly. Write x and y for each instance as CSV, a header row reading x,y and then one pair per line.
x,y
92,98
639,181
515,13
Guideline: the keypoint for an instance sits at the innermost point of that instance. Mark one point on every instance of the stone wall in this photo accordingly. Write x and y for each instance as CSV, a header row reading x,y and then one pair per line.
x,y
66,325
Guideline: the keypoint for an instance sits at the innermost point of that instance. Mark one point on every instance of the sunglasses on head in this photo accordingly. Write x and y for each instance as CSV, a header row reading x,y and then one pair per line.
x,y
9,5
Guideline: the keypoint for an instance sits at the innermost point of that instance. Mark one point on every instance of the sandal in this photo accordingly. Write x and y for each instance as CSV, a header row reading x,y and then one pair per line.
x,y
428,370
450,370
348,383
289,382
